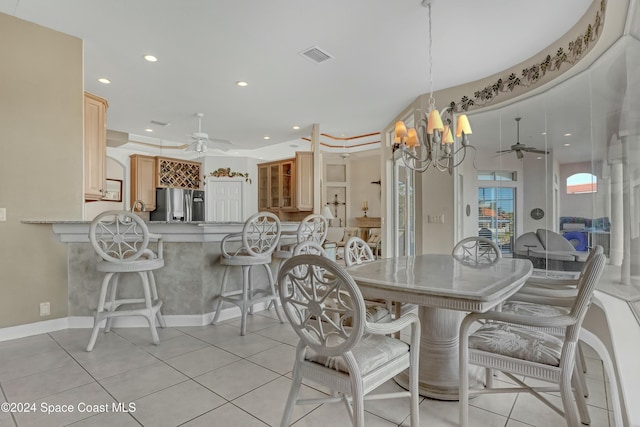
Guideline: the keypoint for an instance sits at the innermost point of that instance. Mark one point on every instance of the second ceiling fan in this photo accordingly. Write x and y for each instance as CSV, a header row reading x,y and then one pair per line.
x,y
519,148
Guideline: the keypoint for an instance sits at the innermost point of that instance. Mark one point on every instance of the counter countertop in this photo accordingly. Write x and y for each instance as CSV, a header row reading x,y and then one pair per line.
x,y
77,231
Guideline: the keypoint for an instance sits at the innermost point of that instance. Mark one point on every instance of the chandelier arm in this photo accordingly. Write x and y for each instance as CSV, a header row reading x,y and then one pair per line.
x,y
412,161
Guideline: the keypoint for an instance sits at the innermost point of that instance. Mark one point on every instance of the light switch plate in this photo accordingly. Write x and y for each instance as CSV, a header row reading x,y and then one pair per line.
x,y
3,214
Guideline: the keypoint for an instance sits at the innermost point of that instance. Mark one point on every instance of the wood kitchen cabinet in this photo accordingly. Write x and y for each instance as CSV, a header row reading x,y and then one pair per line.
x,y
143,180
286,186
95,146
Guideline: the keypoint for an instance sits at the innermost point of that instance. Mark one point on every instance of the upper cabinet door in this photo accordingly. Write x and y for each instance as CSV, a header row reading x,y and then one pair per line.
x,y
95,146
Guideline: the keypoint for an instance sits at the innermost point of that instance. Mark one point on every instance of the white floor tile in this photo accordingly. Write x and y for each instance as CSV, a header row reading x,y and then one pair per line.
x,y
129,386
236,379
176,405
201,361
279,359
225,415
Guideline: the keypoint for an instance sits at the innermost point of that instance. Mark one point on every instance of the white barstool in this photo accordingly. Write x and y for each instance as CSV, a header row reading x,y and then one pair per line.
x,y
259,238
122,240
313,228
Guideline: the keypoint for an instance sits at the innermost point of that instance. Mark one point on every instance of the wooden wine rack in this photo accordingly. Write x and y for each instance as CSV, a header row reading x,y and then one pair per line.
x,y
174,173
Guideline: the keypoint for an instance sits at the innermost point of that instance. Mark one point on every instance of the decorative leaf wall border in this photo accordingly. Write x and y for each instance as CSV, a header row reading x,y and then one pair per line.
x,y
531,76
226,172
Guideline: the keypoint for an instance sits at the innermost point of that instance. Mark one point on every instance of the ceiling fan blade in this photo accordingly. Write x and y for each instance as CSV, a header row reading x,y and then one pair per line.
x,y
535,150
504,151
220,141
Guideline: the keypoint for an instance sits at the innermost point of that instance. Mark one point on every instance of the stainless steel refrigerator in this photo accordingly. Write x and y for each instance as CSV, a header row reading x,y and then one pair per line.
x,y
177,204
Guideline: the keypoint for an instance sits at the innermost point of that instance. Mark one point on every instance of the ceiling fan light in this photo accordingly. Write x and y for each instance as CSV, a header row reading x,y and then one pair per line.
x,y
435,122
463,126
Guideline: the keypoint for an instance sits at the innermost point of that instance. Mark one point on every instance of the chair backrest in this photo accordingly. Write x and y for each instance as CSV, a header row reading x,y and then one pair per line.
x,y
261,234
586,287
313,227
477,250
322,303
119,236
357,251
309,248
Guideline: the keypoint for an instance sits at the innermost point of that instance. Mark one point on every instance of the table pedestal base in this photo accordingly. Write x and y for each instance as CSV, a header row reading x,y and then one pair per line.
x,y
438,369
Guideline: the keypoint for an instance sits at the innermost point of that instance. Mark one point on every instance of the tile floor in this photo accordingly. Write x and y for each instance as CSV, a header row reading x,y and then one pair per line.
x,y
211,376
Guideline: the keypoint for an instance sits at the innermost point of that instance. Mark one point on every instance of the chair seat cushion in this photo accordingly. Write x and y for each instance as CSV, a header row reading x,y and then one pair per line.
x,y
378,314
372,352
140,264
245,260
532,309
517,342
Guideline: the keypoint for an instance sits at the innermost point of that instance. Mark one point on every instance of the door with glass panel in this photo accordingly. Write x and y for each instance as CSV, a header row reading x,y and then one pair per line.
x,y
404,208
497,216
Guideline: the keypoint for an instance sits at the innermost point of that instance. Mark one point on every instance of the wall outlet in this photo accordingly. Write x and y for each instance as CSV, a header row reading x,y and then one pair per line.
x,y
45,309
3,214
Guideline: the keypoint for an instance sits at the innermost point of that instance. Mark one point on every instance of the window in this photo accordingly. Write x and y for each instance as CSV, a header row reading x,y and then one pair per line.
x,y
582,183
496,215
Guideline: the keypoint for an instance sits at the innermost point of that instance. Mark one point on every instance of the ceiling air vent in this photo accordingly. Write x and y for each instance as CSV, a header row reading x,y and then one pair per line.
x,y
316,55
155,122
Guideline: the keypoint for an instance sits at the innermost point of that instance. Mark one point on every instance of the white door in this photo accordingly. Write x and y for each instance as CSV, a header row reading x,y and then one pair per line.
x,y
224,200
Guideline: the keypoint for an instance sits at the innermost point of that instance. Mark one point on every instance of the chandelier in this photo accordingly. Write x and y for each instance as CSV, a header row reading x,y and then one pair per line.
x,y
431,142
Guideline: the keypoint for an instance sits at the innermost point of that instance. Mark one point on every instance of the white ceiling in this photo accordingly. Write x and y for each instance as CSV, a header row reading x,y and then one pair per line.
x,y
204,47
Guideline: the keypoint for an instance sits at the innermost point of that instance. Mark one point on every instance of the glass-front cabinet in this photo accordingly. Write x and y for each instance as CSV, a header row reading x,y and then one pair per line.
x,y
285,187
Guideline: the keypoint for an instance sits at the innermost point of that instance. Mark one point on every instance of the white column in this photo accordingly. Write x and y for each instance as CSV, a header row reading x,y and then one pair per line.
x,y
616,251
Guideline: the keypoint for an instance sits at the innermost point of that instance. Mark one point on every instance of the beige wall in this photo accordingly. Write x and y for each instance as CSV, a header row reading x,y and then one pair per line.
x,y
41,161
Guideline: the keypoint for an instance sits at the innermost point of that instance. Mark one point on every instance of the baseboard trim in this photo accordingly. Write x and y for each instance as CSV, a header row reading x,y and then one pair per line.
x,y
85,322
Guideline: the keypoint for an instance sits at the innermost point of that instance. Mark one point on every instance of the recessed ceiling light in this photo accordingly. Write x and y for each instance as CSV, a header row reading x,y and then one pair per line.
x,y
544,133
234,152
266,137
148,130
567,144
567,134
241,83
260,158
150,58
539,158
296,127
104,81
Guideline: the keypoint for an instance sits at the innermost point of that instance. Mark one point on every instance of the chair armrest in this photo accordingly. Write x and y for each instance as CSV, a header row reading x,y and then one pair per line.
x,y
567,299
391,327
158,239
518,319
233,237
540,282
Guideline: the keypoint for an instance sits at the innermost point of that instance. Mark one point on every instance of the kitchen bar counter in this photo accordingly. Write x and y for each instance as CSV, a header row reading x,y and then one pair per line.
x,y
187,284
77,231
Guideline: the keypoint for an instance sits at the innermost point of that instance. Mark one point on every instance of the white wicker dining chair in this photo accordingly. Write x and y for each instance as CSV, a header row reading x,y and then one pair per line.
x,y
121,239
518,344
320,299
251,247
554,298
357,251
313,228
477,250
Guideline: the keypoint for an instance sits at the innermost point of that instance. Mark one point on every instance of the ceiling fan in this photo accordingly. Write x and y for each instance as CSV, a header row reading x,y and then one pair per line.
x,y
519,148
201,141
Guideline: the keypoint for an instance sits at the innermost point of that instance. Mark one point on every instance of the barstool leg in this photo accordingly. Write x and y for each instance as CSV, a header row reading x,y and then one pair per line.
x,y
154,294
245,306
97,319
150,315
219,298
274,294
112,306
